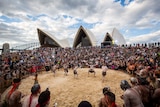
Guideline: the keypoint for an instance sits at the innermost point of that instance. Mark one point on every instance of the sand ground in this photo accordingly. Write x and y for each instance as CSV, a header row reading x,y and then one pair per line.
x,y
68,91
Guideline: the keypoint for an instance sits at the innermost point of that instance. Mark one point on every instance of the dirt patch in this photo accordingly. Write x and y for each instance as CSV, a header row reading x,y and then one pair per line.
x,y
68,91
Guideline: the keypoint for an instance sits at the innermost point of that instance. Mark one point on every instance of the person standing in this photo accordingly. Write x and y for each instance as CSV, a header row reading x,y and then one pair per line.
x,y
53,69
44,99
65,67
104,71
91,69
36,79
75,71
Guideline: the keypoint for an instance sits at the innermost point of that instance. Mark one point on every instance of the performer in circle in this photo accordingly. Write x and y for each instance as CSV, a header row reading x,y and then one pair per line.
x,y
104,71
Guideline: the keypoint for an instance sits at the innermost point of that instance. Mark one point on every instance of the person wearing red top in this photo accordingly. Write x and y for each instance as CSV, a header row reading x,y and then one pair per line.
x,y
109,98
14,96
32,99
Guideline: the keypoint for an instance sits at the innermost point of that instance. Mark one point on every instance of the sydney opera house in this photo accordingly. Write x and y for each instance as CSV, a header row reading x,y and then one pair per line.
x,y
83,37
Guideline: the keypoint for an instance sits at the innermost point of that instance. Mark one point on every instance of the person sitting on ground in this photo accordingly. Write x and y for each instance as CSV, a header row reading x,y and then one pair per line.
x,y
145,91
0,101
103,102
130,96
44,98
32,100
109,98
133,81
157,77
156,97
84,104
13,97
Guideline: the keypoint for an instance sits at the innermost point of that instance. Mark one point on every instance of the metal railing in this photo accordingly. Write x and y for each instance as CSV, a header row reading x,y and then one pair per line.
x,y
25,46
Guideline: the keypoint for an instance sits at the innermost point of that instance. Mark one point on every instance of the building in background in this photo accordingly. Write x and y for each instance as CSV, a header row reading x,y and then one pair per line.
x,y
108,40
118,38
48,40
83,38
6,49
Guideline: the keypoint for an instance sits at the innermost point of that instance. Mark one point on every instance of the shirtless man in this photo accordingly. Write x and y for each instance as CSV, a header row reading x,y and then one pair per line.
x,y
75,71
44,99
0,101
65,69
130,96
109,98
32,99
104,71
53,69
91,70
156,97
14,96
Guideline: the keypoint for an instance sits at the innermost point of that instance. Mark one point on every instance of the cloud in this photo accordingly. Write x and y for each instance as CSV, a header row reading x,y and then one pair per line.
x,y
147,38
63,17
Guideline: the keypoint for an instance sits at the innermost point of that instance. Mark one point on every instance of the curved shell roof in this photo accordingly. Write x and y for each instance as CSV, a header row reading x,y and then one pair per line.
x,y
107,37
51,40
117,37
85,34
83,37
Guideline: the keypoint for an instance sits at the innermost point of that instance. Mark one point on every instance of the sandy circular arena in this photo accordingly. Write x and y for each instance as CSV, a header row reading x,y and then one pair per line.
x,y
68,91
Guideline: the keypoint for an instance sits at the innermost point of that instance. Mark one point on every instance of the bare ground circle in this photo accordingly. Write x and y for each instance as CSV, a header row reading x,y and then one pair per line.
x,y
68,91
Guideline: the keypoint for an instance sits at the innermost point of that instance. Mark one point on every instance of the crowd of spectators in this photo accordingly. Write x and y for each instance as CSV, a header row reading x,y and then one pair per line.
x,y
137,60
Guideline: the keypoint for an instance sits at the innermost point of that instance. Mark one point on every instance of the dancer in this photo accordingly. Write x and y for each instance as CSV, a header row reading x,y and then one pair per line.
x,y
53,69
75,71
91,70
65,69
104,71
36,79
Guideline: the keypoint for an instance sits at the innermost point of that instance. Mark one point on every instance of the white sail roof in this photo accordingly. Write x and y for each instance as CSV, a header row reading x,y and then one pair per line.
x,y
61,43
118,37
88,33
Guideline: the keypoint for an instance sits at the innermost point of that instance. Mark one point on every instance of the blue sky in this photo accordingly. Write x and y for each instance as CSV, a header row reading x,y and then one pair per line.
x,y
137,20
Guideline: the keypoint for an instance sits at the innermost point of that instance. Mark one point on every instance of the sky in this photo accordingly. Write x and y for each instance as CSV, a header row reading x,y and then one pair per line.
x,y
137,20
